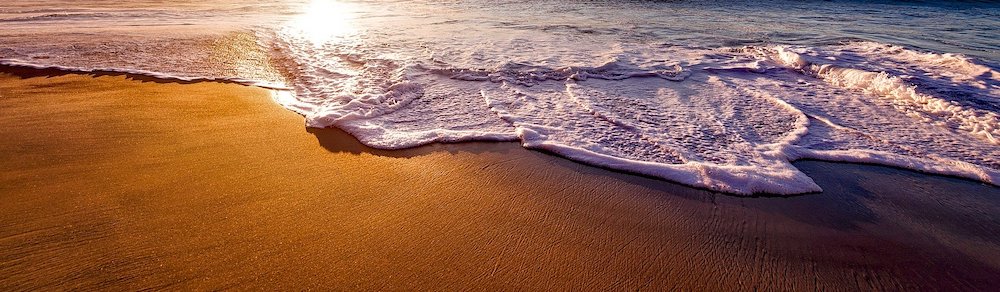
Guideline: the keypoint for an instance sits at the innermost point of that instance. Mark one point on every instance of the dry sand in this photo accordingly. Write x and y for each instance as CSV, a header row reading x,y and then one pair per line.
x,y
115,183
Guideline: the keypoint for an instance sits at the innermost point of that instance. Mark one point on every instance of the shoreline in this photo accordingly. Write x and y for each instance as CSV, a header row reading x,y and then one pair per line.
x,y
979,175
128,184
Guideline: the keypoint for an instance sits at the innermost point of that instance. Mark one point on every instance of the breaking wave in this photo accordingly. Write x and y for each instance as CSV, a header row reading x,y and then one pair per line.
x,y
729,119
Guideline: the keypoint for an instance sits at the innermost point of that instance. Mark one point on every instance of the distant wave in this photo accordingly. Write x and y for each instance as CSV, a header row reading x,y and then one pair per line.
x,y
65,16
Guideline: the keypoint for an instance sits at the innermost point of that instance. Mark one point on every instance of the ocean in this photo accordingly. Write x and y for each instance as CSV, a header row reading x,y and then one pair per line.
x,y
712,94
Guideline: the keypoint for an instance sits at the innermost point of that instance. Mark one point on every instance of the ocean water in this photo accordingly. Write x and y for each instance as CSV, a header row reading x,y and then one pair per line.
x,y
710,94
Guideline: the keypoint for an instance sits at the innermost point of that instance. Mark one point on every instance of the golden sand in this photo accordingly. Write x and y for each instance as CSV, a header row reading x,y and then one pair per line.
x,y
113,183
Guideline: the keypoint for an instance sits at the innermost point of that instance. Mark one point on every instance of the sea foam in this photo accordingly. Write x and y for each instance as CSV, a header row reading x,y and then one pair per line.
x,y
729,119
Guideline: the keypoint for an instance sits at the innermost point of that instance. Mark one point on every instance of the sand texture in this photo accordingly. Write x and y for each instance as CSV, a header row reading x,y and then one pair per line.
x,y
108,182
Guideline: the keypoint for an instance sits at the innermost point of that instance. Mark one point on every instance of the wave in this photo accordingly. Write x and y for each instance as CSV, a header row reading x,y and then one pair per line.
x,y
58,16
727,119
904,95
87,16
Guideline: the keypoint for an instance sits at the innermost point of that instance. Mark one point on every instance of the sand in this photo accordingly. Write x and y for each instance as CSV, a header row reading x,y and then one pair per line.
x,y
119,182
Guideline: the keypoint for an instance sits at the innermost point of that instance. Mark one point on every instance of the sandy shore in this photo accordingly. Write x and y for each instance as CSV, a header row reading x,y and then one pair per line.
x,y
113,183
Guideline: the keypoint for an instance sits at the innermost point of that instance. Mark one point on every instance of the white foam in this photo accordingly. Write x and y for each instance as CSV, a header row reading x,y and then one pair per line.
x,y
903,95
729,120
935,165
732,120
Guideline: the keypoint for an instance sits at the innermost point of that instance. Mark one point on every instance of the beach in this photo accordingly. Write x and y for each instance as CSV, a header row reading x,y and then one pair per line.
x,y
120,182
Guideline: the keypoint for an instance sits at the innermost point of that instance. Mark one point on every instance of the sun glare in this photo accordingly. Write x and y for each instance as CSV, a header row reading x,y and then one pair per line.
x,y
323,21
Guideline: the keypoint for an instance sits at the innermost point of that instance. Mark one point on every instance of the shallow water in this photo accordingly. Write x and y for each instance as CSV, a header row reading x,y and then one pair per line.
x,y
709,94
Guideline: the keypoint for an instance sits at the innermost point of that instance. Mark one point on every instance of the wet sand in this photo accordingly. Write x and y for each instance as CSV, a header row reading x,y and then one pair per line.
x,y
108,182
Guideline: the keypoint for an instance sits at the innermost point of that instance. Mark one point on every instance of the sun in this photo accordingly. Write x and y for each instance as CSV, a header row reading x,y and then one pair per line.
x,y
325,21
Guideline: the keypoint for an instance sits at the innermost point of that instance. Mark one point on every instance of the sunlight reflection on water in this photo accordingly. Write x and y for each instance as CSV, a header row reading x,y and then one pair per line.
x,y
324,21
